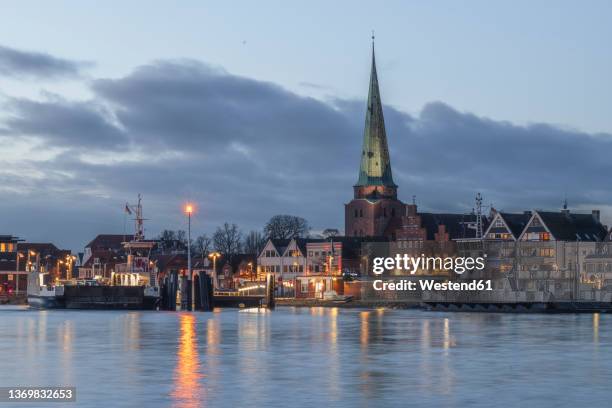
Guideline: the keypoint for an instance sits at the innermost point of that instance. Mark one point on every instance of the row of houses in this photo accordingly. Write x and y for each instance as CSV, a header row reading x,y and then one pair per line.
x,y
17,258
534,248
562,254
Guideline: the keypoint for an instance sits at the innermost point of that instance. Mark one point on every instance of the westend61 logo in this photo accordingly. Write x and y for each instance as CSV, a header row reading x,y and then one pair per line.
x,y
411,264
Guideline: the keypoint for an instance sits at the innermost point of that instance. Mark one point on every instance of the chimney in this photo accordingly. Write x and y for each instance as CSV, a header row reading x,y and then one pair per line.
x,y
596,214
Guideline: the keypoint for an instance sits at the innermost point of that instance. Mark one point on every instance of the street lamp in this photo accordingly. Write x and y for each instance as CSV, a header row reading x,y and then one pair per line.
x,y
250,264
189,211
214,255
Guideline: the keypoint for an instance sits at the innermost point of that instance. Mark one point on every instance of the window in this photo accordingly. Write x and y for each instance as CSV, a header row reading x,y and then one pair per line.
x,y
544,236
356,213
393,212
546,252
361,212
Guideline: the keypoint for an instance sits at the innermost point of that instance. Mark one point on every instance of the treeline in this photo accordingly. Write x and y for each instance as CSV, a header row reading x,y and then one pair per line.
x,y
230,240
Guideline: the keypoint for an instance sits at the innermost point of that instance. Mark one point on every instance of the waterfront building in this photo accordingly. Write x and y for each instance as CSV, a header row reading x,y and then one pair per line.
x,y
330,262
12,277
18,258
506,226
105,243
237,270
48,259
557,255
286,258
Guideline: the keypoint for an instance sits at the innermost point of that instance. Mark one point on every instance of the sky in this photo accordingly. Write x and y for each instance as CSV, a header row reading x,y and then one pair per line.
x,y
251,109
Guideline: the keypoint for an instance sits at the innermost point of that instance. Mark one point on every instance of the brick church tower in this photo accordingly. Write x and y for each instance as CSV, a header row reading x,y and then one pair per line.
x,y
375,209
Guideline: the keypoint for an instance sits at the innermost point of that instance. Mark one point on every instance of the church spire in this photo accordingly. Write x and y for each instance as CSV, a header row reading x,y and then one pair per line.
x,y
375,169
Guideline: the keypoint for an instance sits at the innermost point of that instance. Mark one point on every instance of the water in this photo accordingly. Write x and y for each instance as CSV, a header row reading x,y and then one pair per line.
x,y
311,357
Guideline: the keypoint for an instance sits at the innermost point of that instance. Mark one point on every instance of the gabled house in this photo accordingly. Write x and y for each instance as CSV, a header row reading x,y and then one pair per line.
x,y
506,226
564,226
286,259
271,259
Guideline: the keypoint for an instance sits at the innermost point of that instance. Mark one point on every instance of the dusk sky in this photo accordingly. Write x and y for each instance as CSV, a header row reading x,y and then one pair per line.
x,y
251,109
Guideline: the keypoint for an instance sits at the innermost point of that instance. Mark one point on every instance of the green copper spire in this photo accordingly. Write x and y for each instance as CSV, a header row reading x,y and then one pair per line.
x,y
375,169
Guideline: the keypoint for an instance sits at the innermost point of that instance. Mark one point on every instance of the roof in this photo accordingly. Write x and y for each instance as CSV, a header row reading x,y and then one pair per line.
x,y
109,241
9,238
351,245
566,226
516,222
301,243
43,249
458,226
280,245
163,261
375,168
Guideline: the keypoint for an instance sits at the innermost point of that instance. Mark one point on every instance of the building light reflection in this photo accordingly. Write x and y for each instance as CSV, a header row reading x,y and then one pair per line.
x,y
364,337
186,379
595,327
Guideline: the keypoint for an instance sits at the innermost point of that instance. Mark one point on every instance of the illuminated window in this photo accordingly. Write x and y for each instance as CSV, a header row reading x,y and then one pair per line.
x,y
546,252
2,247
544,236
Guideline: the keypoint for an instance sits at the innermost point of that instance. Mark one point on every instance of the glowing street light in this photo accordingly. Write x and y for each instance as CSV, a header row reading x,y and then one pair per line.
x,y
188,212
214,255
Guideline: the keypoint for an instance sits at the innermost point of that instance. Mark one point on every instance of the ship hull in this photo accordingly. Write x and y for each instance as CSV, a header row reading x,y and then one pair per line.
x,y
98,298
46,302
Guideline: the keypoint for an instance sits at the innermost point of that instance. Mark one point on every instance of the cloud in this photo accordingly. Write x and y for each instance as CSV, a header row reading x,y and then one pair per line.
x,y
245,150
60,123
26,64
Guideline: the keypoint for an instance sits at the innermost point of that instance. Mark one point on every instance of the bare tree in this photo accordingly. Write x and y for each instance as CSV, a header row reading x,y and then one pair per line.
x,y
228,239
286,226
202,246
254,242
330,232
172,241
181,237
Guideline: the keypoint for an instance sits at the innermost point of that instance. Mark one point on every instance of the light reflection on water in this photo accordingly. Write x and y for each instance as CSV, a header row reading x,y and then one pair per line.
x,y
305,357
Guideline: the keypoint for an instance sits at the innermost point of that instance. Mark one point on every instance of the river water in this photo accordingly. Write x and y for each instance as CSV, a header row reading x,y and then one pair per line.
x,y
295,357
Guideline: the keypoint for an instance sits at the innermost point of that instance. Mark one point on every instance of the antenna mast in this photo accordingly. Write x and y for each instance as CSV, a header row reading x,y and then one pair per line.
x,y
139,220
478,216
